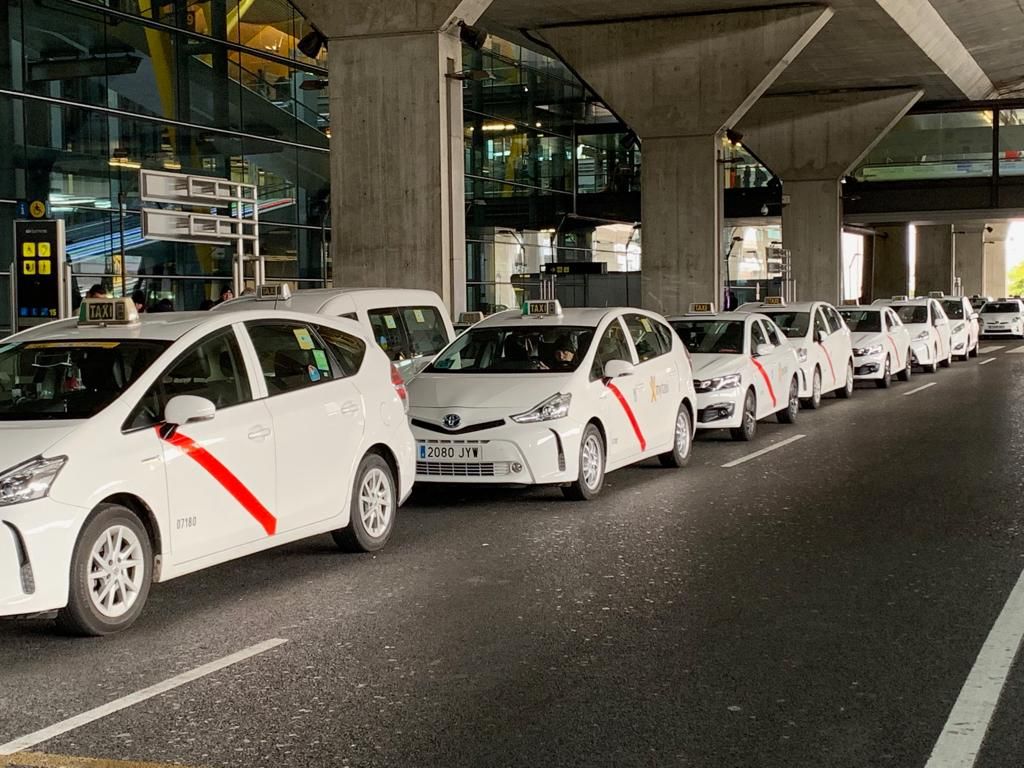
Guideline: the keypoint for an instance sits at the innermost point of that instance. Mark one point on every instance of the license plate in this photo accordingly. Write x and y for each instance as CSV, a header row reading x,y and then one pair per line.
x,y
449,452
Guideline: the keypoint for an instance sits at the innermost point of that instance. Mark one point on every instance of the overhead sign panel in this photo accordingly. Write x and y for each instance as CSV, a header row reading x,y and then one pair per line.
x,y
196,191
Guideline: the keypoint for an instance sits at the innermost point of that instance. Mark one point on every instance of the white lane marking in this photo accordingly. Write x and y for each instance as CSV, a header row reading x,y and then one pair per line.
x,y
919,389
986,350
986,362
968,722
57,729
763,451
1016,351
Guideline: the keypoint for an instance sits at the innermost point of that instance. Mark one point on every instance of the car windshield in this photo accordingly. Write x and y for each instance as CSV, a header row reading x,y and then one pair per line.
x,y
1000,307
862,320
516,349
69,379
793,324
912,314
954,309
717,337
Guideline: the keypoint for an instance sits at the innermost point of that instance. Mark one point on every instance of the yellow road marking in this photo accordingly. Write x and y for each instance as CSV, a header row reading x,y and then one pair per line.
x,y
44,760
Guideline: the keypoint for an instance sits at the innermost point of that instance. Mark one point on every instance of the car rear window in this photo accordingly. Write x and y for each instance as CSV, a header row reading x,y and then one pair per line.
x,y
1000,307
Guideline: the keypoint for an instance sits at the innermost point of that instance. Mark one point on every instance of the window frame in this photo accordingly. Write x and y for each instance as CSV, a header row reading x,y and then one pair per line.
x,y
636,349
599,337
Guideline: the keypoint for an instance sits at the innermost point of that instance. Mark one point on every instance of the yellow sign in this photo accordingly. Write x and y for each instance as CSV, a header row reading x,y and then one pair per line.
x,y
28,250
702,307
28,267
773,301
44,250
37,209
45,268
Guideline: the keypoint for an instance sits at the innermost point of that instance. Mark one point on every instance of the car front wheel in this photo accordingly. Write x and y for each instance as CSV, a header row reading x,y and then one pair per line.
x,y
792,411
748,427
814,401
908,369
682,445
886,381
591,474
846,391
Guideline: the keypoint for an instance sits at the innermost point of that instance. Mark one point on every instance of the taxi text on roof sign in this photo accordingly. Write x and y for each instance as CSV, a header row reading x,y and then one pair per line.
x,y
899,298
773,301
108,312
937,295
702,308
273,293
541,308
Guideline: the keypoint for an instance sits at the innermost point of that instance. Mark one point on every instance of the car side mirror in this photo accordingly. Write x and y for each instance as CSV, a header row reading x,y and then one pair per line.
x,y
821,336
763,349
188,409
615,369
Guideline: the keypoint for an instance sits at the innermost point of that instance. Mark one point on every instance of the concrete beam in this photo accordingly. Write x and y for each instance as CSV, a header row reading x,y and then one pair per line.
x,y
813,137
340,19
687,75
923,24
891,263
934,270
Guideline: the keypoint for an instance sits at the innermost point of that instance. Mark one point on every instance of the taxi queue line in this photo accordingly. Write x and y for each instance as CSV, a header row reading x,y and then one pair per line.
x,y
209,419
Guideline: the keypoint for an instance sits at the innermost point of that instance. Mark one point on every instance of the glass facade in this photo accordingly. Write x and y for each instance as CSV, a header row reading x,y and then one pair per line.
x,y
92,91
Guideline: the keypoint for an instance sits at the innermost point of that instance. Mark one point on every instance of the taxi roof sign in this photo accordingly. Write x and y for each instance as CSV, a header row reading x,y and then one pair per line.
x,y
774,301
851,302
104,312
541,308
273,292
937,295
470,318
900,298
702,308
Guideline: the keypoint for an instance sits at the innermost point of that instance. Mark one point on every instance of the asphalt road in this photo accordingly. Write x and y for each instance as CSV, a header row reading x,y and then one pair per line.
x,y
819,606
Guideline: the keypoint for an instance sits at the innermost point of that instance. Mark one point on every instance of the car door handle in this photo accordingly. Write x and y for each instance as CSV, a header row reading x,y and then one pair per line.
x,y
259,433
350,407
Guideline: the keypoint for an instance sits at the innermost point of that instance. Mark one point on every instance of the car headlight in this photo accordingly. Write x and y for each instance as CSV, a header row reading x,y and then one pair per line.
x,y
29,481
801,354
874,349
958,328
922,336
556,407
719,382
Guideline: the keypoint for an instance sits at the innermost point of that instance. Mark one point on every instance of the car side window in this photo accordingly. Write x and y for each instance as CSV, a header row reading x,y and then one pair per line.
x,y
425,330
212,369
668,336
348,350
291,356
835,322
757,335
819,323
648,342
390,333
612,346
774,334
894,319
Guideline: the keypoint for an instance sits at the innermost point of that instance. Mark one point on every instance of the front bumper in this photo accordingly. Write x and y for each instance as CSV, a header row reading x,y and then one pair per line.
x,y
807,380
720,410
512,454
37,539
869,367
922,352
1002,330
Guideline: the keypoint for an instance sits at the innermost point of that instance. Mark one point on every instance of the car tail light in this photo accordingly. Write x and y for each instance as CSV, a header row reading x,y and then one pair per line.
x,y
399,384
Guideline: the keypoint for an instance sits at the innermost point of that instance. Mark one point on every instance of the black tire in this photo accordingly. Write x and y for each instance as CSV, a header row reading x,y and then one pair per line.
x,y
791,412
682,441
81,616
886,381
974,352
908,369
813,402
748,428
372,510
933,366
846,391
590,481
949,360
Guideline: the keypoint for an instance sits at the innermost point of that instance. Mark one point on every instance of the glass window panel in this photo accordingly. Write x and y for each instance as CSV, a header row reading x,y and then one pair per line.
x,y
1011,142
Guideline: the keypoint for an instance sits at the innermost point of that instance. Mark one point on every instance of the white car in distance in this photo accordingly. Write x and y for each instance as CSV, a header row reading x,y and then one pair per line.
x,y
881,344
1004,317
546,396
745,369
138,449
928,326
964,326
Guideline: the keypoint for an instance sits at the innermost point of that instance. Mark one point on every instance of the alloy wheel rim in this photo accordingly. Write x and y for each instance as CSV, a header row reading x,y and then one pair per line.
x,y
794,398
591,461
682,435
375,502
849,377
749,417
116,571
816,386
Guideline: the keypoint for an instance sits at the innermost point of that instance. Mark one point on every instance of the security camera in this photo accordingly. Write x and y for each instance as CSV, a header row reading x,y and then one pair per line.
x,y
988,229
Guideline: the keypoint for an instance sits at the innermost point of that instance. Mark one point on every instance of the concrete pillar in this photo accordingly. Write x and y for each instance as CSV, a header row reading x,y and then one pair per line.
x,y
934,271
397,163
811,142
969,257
891,272
995,260
679,82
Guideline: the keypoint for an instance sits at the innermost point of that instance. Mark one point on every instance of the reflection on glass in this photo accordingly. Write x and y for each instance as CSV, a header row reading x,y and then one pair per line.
x,y
1011,142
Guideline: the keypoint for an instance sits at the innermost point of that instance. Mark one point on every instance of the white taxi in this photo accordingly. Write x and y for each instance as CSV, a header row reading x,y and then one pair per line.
x,y
881,344
745,369
928,326
964,327
822,341
136,450
546,396
1004,317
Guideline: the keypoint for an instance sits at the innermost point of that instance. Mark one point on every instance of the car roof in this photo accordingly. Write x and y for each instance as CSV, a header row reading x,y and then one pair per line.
x,y
314,299
795,306
735,315
920,302
574,316
864,307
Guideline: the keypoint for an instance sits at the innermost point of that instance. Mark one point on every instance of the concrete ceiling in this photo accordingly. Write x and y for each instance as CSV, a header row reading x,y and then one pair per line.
x,y
863,47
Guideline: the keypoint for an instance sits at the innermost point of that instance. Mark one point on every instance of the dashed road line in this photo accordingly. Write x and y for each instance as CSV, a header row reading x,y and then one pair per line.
x,y
988,350
57,729
763,451
961,739
986,362
45,760
919,389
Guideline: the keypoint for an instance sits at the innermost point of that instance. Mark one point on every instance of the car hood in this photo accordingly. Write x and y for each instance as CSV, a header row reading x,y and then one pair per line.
x,y
866,338
21,440
711,366
453,392
915,328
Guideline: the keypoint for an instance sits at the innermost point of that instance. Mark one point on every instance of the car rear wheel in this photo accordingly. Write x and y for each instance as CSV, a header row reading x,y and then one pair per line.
x,y
111,572
813,402
933,366
591,475
886,381
948,361
846,392
682,446
908,369
792,410
974,350
373,509
748,428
